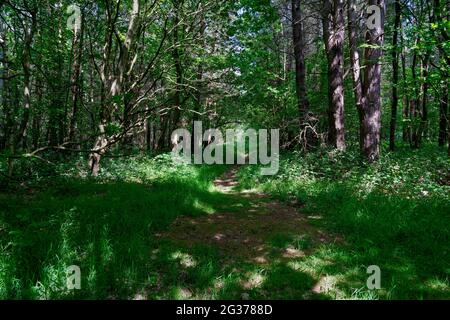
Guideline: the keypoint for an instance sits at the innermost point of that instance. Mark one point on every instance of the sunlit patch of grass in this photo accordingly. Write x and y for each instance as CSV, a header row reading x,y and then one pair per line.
x,y
254,280
204,207
185,259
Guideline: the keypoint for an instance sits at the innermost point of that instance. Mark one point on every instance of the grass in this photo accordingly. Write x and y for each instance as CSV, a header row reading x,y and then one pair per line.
x,y
394,214
105,226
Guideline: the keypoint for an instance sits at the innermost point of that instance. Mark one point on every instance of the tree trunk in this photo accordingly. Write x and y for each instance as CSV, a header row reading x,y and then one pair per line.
x,y
443,115
5,92
77,47
26,65
126,65
394,77
179,75
98,150
199,96
300,72
356,66
406,101
424,112
372,87
333,29
149,135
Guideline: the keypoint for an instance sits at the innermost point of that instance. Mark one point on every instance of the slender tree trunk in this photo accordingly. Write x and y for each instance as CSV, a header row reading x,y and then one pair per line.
x,y
98,150
415,100
77,47
26,65
37,118
424,110
199,97
406,101
5,92
149,134
395,76
300,72
333,29
443,115
372,87
178,69
164,125
126,65
356,66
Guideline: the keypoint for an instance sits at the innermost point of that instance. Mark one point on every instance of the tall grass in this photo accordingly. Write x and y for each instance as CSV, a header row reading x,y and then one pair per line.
x,y
106,226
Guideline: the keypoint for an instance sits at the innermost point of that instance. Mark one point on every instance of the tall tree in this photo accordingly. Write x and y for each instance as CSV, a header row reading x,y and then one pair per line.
x,y
300,69
30,25
77,49
355,63
372,82
333,31
395,76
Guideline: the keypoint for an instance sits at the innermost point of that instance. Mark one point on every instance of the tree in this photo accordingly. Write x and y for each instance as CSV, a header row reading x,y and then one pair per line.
x,y
355,64
300,71
395,76
333,31
372,83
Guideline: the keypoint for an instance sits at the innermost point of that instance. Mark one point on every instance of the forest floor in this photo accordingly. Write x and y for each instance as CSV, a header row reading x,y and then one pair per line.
x,y
252,228
147,228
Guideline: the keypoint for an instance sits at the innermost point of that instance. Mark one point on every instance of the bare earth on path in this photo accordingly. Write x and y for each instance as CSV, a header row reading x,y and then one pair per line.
x,y
245,226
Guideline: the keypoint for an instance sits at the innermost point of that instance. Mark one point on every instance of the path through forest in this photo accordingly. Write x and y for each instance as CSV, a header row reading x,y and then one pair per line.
x,y
251,227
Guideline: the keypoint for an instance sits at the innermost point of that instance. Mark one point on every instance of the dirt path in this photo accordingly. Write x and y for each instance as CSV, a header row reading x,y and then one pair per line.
x,y
250,226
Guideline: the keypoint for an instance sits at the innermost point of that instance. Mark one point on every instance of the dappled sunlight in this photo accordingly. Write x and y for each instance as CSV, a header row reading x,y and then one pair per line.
x,y
204,207
253,280
325,285
291,252
184,259
182,293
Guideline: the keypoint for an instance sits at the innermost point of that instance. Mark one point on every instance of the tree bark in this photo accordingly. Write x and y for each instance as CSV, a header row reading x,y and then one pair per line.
x,y
372,87
333,30
395,77
300,72
424,110
126,65
26,65
355,64
443,115
176,55
77,47
5,92
406,101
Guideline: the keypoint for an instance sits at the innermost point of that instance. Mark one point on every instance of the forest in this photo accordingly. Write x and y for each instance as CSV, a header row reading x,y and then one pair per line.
x,y
349,97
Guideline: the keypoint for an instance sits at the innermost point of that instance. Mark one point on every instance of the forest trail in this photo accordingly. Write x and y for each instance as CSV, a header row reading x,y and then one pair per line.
x,y
248,226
